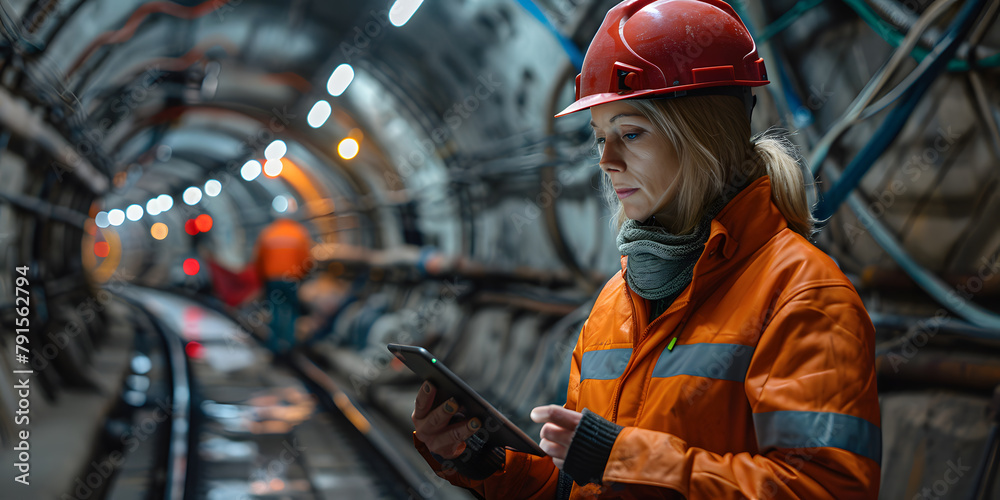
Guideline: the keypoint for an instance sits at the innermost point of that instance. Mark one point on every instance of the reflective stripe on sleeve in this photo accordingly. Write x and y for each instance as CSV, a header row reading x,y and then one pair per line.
x,y
810,429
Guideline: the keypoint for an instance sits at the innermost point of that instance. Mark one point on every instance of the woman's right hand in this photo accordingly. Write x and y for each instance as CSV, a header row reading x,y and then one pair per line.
x,y
432,424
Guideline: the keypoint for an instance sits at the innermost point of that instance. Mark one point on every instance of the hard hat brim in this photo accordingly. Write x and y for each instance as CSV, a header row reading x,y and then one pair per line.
x,y
670,93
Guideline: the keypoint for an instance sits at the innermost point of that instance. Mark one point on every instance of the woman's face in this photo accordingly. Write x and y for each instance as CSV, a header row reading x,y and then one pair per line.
x,y
641,164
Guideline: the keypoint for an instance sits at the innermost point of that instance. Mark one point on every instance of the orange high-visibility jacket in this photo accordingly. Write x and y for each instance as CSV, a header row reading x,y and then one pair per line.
x,y
768,393
283,251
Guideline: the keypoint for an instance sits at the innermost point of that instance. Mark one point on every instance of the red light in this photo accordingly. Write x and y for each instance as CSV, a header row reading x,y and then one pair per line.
x,y
203,222
194,350
102,249
191,227
191,267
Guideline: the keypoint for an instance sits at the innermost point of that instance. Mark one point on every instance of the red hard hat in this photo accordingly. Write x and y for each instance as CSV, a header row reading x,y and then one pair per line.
x,y
668,48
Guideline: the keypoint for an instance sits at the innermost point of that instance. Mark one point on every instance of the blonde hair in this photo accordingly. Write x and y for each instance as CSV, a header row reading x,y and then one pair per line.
x,y
718,156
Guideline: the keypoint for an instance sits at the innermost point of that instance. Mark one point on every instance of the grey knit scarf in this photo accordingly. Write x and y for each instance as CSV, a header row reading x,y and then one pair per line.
x,y
661,264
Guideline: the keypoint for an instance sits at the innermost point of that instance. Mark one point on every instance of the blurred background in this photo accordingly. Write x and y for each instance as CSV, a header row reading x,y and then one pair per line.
x,y
178,179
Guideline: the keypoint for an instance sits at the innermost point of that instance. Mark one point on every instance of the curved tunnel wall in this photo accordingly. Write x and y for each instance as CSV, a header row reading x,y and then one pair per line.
x,y
120,101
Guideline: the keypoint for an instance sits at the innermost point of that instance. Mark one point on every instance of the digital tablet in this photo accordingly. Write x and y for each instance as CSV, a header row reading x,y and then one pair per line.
x,y
497,429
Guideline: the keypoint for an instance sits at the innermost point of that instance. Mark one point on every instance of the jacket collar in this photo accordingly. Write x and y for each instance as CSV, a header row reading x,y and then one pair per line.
x,y
744,225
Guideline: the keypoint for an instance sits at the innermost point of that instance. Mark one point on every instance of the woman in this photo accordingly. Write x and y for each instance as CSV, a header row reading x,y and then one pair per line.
x,y
730,358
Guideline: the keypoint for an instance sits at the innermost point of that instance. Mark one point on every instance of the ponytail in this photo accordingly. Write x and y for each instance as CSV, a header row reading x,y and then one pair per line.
x,y
788,189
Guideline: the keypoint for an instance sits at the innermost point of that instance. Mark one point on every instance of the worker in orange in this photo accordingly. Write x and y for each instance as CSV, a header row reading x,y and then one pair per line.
x,y
730,358
282,258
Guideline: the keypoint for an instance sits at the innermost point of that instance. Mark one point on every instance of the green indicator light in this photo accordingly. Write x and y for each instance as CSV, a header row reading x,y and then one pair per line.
x,y
434,360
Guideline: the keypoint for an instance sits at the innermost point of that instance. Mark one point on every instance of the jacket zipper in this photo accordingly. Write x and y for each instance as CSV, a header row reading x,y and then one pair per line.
x,y
635,347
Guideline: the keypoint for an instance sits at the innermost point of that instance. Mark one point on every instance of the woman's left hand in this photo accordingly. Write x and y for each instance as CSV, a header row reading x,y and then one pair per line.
x,y
557,433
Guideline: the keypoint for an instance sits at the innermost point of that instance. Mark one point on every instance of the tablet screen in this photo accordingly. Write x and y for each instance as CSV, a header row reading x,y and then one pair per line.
x,y
497,429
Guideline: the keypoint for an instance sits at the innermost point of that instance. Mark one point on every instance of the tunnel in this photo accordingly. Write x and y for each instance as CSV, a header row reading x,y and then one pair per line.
x,y
217,214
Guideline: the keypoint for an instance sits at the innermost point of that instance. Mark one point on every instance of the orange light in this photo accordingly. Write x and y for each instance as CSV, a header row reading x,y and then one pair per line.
x,y
191,267
102,249
348,148
159,230
203,222
273,168
194,350
191,227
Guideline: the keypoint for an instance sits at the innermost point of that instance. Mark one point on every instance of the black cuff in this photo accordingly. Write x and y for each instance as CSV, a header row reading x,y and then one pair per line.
x,y
475,462
564,487
591,446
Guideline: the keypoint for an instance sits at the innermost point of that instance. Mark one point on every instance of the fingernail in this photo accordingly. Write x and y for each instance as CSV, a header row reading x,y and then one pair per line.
x,y
449,406
474,424
427,387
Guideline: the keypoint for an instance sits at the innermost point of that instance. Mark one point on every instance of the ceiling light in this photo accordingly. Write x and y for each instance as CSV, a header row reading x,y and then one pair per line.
x,y
402,11
165,201
101,219
191,196
348,148
153,206
116,217
159,230
133,212
272,168
250,170
275,150
280,204
319,113
340,79
213,187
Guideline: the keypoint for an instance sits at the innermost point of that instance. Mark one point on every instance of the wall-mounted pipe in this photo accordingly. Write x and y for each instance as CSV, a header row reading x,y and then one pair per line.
x,y
899,116
15,115
975,371
45,209
932,284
